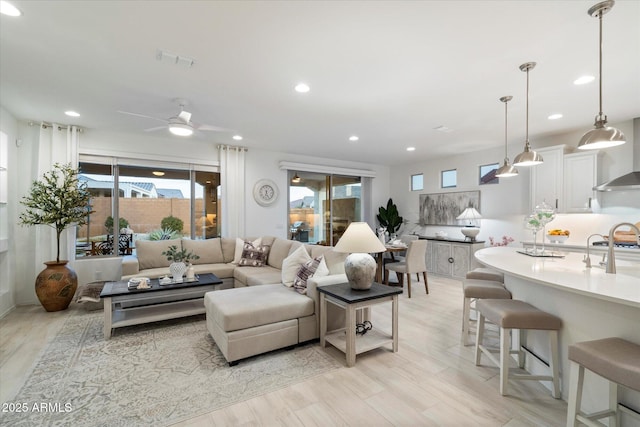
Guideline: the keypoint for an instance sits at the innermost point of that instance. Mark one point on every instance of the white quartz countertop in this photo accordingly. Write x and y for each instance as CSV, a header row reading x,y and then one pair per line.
x,y
568,273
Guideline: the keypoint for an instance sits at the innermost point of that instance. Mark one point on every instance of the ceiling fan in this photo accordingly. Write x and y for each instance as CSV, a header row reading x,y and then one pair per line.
x,y
180,124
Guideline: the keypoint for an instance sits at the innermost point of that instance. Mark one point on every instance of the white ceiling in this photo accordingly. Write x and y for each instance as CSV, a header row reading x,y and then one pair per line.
x,y
387,71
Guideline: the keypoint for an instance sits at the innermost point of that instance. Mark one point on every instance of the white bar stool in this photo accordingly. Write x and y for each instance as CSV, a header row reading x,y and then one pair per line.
x,y
473,290
614,359
514,314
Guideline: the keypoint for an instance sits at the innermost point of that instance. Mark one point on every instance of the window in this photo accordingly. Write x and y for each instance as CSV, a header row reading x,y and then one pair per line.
x,y
322,206
152,203
449,178
417,182
488,174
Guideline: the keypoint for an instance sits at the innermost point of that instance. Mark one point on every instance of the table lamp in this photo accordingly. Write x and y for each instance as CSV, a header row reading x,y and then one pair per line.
x,y
359,240
470,230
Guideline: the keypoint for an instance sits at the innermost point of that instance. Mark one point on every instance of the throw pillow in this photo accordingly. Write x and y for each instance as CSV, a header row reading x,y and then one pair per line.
x,y
322,270
292,263
240,248
254,256
306,270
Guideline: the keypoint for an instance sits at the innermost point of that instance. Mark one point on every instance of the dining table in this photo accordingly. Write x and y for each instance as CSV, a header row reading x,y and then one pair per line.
x,y
391,250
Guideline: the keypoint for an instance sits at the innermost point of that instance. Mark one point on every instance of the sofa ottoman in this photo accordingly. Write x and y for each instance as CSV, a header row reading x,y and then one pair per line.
x,y
248,321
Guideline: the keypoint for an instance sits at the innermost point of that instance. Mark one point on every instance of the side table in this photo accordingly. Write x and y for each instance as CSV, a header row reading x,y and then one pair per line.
x,y
351,300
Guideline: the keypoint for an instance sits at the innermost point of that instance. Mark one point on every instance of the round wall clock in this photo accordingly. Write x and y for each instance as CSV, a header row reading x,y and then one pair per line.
x,y
265,192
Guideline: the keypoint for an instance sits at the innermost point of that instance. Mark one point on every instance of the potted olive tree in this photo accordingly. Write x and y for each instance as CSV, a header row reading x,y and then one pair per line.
x,y
58,200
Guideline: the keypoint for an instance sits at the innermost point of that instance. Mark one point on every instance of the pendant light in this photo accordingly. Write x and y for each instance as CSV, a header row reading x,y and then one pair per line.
x,y
296,179
528,157
601,136
506,170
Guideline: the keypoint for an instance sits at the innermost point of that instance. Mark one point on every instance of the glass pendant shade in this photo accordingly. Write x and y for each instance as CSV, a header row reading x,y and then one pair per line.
x,y
506,170
528,157
602,136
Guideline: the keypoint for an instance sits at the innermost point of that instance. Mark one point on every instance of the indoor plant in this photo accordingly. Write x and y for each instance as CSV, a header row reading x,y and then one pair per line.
x,y
58,200
180,259
389,218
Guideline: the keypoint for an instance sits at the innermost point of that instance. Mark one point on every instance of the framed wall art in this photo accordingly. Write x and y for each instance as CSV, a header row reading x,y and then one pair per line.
x,y
443,208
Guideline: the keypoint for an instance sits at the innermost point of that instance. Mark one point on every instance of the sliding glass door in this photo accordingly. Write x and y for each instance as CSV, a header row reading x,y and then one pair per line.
x,y
322,206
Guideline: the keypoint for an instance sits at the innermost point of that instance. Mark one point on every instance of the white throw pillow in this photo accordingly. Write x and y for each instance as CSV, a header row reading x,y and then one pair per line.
x,y
322,269
291,265
240,246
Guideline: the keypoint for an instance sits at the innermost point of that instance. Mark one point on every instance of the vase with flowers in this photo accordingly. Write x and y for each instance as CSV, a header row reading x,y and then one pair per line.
x,y
180,260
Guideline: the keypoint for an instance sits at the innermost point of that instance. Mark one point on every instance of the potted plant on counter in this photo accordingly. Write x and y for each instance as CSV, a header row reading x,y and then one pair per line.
x,y
58,200
179,260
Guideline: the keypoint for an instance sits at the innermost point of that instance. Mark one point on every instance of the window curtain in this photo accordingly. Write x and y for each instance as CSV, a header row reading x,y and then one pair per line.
x,y
56,144
232,179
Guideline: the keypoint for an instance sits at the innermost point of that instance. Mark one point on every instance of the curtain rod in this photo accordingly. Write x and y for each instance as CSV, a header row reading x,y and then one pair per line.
x,y
232,147
60,127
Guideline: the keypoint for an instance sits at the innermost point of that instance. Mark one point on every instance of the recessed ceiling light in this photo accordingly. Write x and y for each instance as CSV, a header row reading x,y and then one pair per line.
x,y
353,138
443,129
555,116
8,9
583,80
158,173
302,88
411,148
72,113
237,137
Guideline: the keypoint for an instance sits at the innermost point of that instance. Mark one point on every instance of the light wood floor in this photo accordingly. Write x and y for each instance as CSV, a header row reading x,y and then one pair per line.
x,y
431,381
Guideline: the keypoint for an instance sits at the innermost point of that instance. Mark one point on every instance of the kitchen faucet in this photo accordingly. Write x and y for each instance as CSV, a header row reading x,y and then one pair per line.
x,y
587,258
611,260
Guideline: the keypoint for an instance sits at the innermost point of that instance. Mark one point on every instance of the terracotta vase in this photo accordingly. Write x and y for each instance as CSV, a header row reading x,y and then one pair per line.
x,y
56,285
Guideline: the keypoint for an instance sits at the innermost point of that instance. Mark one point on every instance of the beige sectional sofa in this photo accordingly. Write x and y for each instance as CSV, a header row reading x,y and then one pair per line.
x,y
254,312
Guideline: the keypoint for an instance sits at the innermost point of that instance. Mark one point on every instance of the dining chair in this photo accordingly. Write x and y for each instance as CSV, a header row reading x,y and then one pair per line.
x,y
414,263
406,239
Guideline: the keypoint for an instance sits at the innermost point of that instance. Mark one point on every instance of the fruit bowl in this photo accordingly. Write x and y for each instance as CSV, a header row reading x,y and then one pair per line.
x,y
557,238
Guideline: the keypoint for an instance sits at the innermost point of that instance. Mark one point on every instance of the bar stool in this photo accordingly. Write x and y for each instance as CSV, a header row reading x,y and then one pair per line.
x,y
514,314
483,273
473,290
614,359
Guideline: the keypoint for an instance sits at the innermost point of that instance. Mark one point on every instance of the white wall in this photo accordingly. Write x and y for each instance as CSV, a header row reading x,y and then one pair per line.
x,y
504,205
8,216
273,220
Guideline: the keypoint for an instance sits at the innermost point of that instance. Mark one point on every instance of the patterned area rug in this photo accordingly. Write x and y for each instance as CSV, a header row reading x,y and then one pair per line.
x,y
154,374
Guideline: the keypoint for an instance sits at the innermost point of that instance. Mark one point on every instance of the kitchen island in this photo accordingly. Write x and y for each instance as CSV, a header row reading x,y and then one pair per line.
x,y
591,303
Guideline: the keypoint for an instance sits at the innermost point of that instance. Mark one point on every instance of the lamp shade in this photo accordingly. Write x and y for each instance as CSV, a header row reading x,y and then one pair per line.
x,y
601,137
359,238
469,214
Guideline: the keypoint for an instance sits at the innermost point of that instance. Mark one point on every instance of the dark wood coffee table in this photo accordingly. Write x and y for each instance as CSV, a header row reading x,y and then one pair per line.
x,y
126,307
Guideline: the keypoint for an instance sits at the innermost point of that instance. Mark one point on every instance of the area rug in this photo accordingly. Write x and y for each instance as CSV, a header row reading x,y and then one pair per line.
x,y
154,374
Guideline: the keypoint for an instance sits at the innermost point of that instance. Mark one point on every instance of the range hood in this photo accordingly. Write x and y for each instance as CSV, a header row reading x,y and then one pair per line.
x,y
630,181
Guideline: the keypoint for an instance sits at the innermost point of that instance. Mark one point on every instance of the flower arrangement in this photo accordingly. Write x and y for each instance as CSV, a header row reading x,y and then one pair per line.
x,y
505,241
175,255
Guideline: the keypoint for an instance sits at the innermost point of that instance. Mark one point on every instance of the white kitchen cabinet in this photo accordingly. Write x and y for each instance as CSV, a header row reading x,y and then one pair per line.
x,y
451,258
581,174
547,179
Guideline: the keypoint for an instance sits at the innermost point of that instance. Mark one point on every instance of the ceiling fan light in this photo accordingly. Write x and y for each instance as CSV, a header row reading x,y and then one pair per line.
x,y
180,129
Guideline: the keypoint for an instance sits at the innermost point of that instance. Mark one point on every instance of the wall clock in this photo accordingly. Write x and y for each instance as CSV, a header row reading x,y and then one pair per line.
x,y
265,192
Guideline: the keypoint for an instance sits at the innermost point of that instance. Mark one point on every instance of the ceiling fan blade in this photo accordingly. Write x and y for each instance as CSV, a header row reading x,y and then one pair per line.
x,y
211,128
185,116
155,128
141,115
